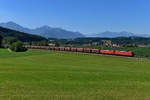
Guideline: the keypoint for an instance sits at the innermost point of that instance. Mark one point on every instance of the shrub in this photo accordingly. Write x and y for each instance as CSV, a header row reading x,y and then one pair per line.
x,y
17,47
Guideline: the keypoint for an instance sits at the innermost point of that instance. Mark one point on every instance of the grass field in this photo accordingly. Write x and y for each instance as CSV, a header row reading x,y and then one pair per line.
x,y
49,75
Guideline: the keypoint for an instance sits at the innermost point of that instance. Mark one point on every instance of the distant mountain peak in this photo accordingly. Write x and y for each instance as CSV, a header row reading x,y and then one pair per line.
x,y
45,26
109,34
45,31
11,22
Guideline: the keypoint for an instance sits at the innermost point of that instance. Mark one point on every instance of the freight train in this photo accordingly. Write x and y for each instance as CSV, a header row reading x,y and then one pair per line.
x,y
85,50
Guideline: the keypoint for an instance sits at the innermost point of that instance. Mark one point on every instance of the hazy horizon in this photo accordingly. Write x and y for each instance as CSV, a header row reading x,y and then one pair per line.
x,y
70,30
87,17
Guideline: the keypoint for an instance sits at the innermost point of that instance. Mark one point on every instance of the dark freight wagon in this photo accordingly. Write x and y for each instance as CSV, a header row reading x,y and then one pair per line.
x,y
51,48
80,49
57,48
61,48
97,51
67,49
87,50
74,49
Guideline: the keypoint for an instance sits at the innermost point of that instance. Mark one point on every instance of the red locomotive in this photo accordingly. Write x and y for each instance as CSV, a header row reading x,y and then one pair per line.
x,y
124,53
107,52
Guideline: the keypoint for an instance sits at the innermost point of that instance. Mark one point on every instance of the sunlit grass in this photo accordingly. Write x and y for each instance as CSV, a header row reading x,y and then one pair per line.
x,y
49,75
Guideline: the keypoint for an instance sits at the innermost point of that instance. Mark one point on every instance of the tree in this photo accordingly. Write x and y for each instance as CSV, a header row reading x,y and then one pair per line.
x,y
1,41
17,47
34,43
7,41
43,43
57,44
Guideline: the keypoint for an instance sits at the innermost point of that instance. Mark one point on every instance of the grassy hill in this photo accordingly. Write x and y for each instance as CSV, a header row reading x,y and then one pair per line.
x,y
47,75
20,35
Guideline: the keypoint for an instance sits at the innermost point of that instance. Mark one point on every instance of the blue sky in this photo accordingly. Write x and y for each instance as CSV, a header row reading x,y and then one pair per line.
x,y
86,16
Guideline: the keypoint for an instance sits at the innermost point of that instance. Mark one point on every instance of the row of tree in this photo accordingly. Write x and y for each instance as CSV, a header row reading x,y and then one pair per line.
x,y
126,41
15,45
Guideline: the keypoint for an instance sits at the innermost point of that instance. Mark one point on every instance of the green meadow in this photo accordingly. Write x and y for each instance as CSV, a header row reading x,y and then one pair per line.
x,y
51,75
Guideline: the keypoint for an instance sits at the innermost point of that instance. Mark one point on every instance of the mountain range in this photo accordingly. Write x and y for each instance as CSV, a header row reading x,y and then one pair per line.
x,y
45,31
108,34
50,32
